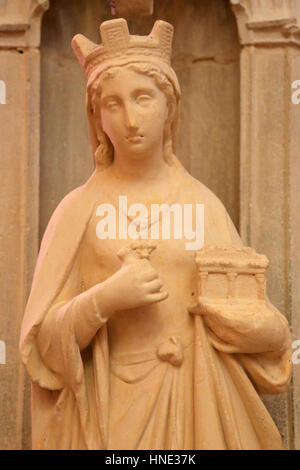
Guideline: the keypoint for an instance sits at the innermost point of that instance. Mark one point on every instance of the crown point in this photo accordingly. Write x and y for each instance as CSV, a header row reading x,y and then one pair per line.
x,y
117,43
162,28
82,47
115,34
163,33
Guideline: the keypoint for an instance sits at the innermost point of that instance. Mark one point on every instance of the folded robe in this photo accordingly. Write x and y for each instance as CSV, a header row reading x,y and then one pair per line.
x,y
70,402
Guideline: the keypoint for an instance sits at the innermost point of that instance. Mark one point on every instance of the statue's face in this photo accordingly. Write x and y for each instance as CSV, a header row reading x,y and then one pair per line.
x,y
133,113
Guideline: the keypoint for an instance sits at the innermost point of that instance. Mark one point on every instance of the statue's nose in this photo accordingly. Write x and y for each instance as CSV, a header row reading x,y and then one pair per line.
x,y
130,117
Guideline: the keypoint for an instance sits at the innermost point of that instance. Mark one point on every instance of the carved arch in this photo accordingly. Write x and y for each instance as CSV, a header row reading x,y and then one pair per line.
x,y
264,22
20,22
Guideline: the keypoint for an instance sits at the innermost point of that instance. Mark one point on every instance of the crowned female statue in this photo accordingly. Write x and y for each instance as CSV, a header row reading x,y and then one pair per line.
x,y
117,357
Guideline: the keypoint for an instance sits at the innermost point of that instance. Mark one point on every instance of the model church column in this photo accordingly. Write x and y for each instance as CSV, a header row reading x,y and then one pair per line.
x,y
270,176
20,22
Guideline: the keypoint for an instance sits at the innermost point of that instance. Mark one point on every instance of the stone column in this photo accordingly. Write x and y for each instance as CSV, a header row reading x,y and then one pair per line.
x,y
270,173
19,194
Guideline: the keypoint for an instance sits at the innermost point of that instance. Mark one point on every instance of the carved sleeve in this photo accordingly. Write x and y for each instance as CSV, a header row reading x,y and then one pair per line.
x,y
75,316
260,341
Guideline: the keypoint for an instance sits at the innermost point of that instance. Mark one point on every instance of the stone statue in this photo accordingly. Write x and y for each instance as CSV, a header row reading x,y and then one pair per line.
x,y
129,340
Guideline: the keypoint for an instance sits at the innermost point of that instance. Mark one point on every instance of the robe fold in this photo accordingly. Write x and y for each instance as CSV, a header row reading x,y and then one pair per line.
x,y
72,399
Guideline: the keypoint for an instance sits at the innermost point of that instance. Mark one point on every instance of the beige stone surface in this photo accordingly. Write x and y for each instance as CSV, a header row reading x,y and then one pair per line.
x,y
269,22
19,167
207,67
269,176
66,156
210,31
20,22
130,8
293,260
208,71
12,245
107,338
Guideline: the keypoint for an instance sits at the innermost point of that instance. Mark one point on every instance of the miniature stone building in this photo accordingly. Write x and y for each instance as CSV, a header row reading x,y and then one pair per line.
x,y
244,57
239,275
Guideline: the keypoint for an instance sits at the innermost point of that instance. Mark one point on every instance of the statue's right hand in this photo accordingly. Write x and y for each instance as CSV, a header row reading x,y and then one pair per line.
x,y
134,285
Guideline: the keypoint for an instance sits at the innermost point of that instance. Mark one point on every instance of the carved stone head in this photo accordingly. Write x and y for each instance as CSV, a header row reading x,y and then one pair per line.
x,y
149,57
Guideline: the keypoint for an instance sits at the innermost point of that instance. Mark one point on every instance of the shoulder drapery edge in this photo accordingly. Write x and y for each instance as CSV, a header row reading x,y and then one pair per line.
x,y
53,265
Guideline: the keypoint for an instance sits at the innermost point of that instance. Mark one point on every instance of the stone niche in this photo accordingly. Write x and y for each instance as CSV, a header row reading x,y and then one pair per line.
x,y
206,57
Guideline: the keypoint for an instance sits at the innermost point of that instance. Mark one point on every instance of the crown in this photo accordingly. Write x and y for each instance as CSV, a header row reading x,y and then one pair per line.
x,y
119,45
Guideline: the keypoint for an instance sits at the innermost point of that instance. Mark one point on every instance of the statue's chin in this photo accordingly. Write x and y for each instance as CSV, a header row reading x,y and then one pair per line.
x,y
138,150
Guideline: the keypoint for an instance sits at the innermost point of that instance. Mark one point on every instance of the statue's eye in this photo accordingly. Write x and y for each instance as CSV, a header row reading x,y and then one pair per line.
x,y
143,99
111,104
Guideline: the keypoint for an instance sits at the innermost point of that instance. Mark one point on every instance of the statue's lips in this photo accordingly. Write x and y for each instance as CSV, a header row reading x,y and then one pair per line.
x,y
135,139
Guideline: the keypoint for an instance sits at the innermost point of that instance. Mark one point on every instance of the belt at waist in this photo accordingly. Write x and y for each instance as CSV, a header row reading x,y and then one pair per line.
x,y
171,350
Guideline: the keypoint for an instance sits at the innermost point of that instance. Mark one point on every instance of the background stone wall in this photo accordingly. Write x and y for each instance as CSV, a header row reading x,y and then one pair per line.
x,y
206,59
235,60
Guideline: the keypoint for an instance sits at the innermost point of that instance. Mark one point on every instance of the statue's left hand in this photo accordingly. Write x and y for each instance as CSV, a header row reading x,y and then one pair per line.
x,y
254,326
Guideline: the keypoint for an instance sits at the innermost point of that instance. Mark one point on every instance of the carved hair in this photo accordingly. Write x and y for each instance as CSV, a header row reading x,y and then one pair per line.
x,y
104,154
